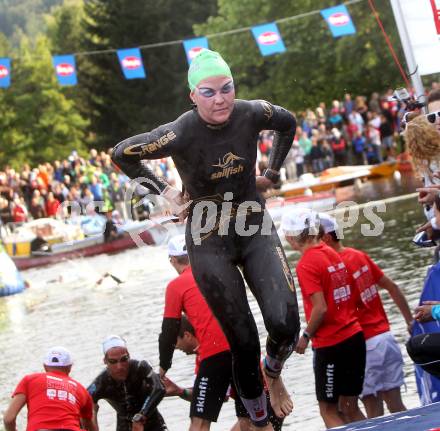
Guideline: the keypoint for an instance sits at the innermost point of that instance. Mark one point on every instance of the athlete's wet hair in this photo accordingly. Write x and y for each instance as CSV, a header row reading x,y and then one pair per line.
x,y
185,326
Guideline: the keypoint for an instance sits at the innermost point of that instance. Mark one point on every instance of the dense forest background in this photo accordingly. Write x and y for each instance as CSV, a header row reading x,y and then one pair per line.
x,y
39,120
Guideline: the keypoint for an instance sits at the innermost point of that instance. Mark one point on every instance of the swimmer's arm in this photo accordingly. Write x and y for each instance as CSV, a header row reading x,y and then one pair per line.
x,y
283,123
129,154
156,394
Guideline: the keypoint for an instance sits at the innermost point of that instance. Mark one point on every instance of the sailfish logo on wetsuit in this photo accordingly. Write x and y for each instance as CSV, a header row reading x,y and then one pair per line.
x,y
227,166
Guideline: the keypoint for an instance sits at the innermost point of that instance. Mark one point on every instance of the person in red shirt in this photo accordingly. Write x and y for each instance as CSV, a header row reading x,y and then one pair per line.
x,y
19,211
54,400
332,325
214,373
384,368
52,205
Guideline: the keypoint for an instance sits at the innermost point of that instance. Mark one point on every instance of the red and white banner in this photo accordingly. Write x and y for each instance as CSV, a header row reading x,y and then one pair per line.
x,y
436,9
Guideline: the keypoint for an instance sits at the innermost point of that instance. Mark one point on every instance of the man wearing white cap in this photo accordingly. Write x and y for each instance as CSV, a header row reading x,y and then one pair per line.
x,y
332,325
384,367
214,370
54,401
130,386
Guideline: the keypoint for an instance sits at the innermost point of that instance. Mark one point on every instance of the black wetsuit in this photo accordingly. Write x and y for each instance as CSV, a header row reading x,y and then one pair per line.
x,y
424,350
217,164
141,392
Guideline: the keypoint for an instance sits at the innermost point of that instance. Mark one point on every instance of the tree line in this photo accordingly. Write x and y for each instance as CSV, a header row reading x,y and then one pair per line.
x,y
41,121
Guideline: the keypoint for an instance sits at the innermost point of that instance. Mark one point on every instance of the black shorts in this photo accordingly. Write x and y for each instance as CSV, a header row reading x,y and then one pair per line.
x,y
241,412
340,369
211,386
424,351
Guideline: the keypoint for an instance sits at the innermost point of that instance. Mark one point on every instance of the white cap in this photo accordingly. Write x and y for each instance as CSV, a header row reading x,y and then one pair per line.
x,y
328,223
295,220
58,357
113,341
177,246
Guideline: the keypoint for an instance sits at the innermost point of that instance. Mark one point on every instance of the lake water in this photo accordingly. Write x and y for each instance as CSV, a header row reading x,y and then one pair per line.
x,y
64,306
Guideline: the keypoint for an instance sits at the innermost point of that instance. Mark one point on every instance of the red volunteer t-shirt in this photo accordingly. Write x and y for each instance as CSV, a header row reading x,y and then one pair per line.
x,y
366,275
321,269
182,294
54,400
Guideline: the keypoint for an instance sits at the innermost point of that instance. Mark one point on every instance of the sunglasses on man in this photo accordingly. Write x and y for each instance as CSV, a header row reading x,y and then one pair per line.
x,y
121,360
432,116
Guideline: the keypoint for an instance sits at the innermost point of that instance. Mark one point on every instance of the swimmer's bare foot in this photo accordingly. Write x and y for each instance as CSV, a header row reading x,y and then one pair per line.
x,y
280,400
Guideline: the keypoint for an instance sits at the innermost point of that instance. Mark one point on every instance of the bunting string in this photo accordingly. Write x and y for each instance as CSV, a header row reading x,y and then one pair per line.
x,y
267,38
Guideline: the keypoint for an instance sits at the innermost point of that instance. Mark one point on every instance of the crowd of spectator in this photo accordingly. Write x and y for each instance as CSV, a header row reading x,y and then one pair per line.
x,y
84,183
354,131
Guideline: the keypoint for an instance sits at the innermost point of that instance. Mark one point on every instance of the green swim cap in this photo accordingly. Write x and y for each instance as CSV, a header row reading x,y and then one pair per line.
x,y
205,65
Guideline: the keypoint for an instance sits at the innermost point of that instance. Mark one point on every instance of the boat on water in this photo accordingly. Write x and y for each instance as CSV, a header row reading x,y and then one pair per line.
x,y
11,281
339,176
68,241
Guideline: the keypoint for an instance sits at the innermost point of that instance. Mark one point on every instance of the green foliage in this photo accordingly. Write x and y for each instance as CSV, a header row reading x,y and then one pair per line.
x,y
37,122
65,27
117,107
24,17
316,66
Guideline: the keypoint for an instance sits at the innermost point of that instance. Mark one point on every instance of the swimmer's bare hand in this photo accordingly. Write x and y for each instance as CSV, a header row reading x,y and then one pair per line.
x,y
137,426
302,345
178,201
263,183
